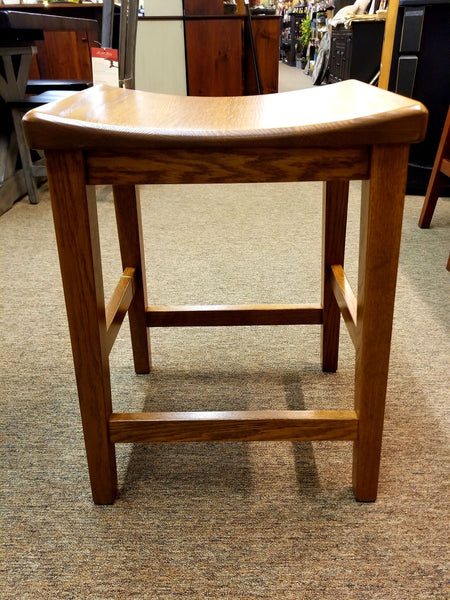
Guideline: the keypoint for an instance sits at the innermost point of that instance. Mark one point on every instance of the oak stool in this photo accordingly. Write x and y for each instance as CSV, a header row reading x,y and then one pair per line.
x,y
336,133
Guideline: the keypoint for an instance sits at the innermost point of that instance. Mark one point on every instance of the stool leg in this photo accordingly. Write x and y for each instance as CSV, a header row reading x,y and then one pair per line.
x,y
431,198
129,227
76,226
436,178
380,233
334,223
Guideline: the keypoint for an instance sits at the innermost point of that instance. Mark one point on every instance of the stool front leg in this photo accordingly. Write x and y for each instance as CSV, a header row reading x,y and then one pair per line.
x,y
76,227
381,225
129,227
334,224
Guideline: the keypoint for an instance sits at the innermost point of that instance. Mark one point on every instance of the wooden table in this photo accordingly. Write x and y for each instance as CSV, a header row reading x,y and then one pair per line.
x,y
19,34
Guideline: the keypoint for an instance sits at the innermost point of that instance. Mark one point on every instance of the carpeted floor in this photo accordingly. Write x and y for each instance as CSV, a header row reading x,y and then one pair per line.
x,y
292,78
223,521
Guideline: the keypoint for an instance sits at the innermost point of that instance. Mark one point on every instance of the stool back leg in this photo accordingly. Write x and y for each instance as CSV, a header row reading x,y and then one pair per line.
x,y
75,217
334,224
129,227
381,224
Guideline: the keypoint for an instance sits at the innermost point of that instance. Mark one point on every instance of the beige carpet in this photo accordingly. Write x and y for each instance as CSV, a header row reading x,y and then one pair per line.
x,y
234,521
292,78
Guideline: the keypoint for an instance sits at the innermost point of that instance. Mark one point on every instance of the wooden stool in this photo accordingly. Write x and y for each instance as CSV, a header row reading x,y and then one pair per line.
x,y
334,133
441,171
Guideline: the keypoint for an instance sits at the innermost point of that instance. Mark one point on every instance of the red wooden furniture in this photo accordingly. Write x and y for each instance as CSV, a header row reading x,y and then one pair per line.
x,y
219,58
440,172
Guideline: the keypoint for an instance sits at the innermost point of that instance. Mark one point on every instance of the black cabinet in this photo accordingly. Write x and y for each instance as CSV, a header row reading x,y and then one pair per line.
x,y
356,52
421,69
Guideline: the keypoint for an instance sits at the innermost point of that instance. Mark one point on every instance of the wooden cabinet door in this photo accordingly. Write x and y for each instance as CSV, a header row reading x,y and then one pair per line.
x,y
214,49
266,32
203,7
64,55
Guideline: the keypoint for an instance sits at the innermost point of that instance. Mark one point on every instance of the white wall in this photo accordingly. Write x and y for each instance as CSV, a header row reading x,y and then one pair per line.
x,y
160,56
163,8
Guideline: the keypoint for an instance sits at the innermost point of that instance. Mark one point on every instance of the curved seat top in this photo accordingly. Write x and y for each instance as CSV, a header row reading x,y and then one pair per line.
x,y
343,114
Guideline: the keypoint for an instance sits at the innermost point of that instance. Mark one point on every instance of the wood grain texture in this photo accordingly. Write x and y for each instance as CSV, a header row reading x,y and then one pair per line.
x,y
388,44
266,31
129,229
445,167
345,299
380,233
31,20
118,306
231,165
267,425
65,54
214,57
334,224
238,315
123,137
203,7
349,113
76,227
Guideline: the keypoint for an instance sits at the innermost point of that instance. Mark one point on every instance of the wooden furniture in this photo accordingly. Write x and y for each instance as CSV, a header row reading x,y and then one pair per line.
x,y
346,131
92,12
62,43
204,51
419,69
356,52
214,50
219,59
106,14
203,8
48,58
20,32
388,44
439,175
266,31
65,55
